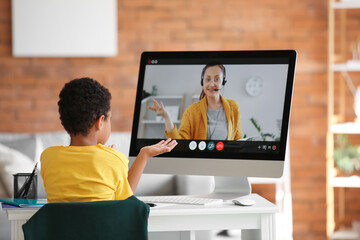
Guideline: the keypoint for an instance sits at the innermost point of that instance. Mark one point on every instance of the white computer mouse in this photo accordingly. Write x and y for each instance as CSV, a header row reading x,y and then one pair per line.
x,y
243,201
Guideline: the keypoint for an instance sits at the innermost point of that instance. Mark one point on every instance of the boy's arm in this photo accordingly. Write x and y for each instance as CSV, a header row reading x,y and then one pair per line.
x,y
145,153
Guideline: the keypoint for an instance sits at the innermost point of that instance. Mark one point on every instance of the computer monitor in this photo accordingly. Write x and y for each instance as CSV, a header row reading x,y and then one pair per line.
x,y
260,83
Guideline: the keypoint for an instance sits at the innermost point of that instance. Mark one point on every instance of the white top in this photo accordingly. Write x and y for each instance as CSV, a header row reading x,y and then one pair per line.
x,y
217,125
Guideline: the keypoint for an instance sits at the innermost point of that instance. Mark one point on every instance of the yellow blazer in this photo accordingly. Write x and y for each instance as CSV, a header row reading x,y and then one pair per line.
x,y
194,121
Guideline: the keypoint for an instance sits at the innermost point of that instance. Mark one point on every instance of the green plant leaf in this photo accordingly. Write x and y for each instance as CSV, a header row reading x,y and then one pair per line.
x,y
255,124
269,135
346,155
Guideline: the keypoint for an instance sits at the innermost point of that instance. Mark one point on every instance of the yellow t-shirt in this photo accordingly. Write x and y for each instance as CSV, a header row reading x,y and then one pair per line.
x,y
84,173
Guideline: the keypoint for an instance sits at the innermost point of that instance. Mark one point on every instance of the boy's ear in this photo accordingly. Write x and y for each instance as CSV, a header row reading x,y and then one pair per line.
x,y
99,122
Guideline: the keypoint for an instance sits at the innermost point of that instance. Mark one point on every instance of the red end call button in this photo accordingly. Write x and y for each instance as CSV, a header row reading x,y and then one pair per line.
x,y
220,146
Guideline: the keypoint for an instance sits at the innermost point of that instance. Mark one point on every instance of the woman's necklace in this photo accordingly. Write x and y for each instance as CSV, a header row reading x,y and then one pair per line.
x,y
216,120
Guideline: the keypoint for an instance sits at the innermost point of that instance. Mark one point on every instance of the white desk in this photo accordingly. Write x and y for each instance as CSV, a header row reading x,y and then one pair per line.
x,y
188,218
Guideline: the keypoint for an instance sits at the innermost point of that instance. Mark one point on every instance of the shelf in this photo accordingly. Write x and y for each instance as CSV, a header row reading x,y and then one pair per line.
x,y
348,4
152,124
338,76
167,97
345,67
345,234
346,128
157,122
346,182
161,98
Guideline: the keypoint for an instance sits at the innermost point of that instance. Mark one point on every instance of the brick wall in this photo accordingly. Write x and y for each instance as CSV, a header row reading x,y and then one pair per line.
x,y
29,86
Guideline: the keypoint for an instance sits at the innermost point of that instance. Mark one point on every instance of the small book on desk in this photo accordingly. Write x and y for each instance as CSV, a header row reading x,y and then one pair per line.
x,y
23,203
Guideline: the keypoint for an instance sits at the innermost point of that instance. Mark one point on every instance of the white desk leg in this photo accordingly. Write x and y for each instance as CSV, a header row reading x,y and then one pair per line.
x,y
16,229
187,235
268,227
267,231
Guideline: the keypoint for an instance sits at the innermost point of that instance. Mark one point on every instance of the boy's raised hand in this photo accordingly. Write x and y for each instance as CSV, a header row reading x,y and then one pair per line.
x,y
147,152
161,147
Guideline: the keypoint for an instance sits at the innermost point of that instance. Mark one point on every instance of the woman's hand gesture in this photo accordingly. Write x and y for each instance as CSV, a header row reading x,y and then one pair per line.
x,y
159,108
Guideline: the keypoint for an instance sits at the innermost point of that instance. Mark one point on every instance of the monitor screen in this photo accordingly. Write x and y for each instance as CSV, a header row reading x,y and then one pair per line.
x,y
228,110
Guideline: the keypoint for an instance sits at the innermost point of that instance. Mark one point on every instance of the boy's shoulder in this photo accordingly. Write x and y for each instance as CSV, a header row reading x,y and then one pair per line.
x,y
99,148
108,155
51,150
112,151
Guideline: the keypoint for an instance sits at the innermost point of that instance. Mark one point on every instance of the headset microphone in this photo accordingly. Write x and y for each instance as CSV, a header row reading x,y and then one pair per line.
x,y
217,89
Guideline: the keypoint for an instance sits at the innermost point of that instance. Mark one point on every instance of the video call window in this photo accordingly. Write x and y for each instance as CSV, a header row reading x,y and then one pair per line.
x,y
256,89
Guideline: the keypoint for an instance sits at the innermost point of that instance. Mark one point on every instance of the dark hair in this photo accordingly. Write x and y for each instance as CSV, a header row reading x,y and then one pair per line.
x,y
82,102
202,94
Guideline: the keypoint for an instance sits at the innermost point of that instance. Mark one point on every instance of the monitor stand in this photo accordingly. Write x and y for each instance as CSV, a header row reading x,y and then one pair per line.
x,y
227,188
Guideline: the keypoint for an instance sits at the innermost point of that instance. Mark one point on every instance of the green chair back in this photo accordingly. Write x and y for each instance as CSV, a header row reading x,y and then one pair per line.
x,y
105,220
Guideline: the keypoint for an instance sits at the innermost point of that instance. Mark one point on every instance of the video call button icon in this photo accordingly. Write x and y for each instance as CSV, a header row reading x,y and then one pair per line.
x,y
211,146
220,146
192,145
202,145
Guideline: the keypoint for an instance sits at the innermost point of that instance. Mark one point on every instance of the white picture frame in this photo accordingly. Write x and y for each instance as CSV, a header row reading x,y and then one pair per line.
x,y
66,28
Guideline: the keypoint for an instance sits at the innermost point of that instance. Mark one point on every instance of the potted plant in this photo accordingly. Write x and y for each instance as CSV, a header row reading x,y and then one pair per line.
x,y
263,135
346,155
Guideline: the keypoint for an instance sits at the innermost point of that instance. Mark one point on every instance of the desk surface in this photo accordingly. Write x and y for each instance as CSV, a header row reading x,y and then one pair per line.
x,y
226,216
178,217
261,206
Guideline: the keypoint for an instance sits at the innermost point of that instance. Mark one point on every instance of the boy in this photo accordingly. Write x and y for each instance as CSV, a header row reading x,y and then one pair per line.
x,y
87,170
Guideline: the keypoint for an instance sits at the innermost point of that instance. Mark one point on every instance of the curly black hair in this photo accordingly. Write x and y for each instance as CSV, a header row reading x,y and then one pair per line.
x,y
82,102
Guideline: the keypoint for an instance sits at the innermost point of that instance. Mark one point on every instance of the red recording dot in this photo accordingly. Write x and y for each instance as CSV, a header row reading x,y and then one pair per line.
x,y
220,146
274,147
149,61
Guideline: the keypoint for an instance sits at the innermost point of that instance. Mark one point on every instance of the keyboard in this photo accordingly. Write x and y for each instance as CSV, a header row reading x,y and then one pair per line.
x,y
182,200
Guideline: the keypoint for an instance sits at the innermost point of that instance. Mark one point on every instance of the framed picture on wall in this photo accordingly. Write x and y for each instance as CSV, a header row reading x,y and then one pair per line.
x,y
67,28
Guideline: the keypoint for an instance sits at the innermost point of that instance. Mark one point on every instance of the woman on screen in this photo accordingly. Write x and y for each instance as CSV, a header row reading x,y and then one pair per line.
x,y
213,117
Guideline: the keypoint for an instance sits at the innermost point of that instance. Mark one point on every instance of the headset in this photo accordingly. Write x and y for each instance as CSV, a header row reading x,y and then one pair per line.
x,y
211,65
